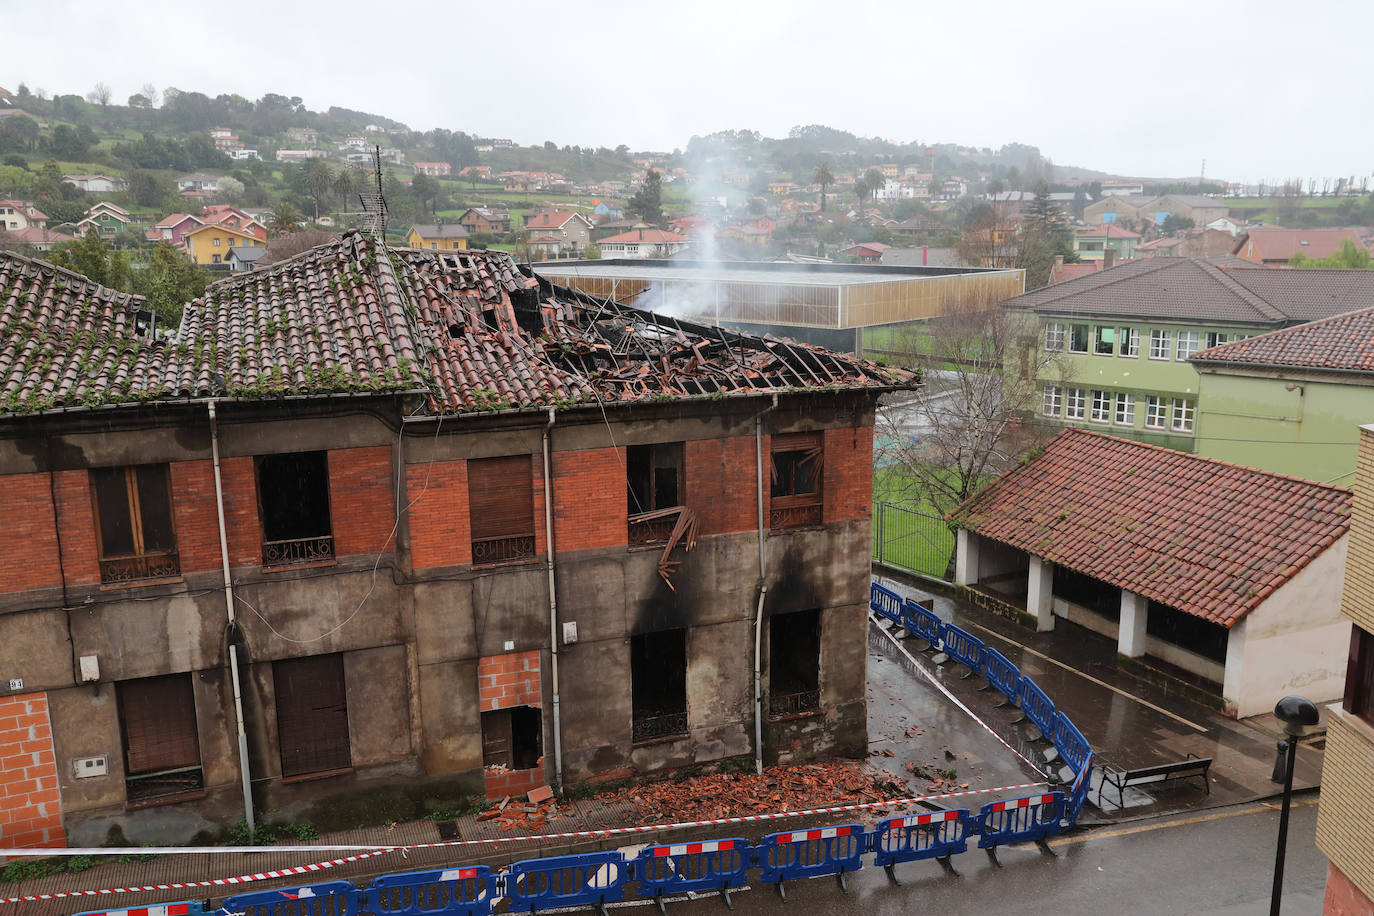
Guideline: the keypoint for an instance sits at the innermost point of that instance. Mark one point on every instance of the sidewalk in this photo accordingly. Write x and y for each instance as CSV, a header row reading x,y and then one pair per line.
x,y
1130,722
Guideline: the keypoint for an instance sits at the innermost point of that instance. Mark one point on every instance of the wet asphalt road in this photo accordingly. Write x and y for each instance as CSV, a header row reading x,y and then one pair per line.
x,y
1218,863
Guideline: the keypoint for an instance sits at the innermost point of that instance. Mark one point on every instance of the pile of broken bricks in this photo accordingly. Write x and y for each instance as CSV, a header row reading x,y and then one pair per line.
x,y
529,815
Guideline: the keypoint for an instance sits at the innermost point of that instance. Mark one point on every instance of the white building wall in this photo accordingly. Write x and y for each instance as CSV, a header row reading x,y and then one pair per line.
x,y
1295,642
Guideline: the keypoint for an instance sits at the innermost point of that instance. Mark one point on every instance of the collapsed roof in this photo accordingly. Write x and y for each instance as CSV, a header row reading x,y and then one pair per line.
x,y
467,329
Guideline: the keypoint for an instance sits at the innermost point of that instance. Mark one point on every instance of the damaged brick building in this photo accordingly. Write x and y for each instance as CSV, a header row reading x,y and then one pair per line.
x,y
399,518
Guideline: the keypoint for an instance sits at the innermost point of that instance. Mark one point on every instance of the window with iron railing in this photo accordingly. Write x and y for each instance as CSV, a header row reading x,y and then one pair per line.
x,y
658,685
653,475
794,663
293,498
795,495
133,520
501,506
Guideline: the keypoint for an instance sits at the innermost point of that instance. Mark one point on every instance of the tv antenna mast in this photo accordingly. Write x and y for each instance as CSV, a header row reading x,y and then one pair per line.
x,y
374,204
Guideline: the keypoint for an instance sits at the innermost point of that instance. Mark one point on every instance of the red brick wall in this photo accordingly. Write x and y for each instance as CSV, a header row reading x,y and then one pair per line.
x,y
30,538
239,480
848,474
77,520
440,533
589,499
720,482
504,681
197,522
30,802
361,500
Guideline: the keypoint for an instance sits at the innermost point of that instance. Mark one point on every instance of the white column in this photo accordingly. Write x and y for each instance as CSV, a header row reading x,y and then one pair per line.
x,y
965,557
1040,593
1130,633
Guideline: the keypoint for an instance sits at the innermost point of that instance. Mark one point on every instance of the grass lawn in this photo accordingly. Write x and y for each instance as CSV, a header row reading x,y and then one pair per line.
x,y
907,532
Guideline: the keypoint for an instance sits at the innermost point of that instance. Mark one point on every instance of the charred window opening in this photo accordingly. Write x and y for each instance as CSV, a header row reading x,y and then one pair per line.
x,y
1187,632
501,505
312,717
794,663
513,737
796,480
654,477
157,717
293,495
133,510
658,685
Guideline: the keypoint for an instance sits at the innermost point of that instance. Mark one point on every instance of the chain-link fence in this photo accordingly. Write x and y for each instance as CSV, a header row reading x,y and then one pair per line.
x,y
917,540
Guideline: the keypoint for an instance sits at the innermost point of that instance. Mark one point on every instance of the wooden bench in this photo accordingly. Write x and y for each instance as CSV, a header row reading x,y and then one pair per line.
x,y
1161,773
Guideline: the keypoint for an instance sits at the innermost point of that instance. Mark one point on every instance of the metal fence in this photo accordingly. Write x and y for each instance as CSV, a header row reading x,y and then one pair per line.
x,y
917,540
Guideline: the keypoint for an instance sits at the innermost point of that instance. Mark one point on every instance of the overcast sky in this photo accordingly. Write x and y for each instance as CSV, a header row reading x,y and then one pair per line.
x,y
1262,90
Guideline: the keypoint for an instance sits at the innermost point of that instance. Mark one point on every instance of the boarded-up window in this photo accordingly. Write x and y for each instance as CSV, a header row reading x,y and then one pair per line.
x,y
501,505
157,716
133,511
312,716
293,496
795,495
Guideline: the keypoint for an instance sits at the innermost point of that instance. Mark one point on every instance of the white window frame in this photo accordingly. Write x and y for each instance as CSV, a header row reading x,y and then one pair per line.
x,y
1101,406
1184,415
1129,347
1161,343
1097,340
1216,339
1075,404
1087,338
1190,337
1156,412
1054,335
1125,408
1052,402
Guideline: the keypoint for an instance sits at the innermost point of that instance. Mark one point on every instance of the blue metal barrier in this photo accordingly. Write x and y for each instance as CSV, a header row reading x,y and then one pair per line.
x,y
595,878
1002,674
712,865
922,621
1073,747
332,898
963,647
937,835
1037,707
1031,818
885,603
1079,794
811,854
461,891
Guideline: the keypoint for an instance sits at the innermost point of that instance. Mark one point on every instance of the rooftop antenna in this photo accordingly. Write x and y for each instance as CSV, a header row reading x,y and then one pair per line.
x,y
374,204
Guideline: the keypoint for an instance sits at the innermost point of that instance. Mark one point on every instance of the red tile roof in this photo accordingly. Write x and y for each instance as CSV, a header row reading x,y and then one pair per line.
x,y
550,219
1207,537
1344,343
35,235
645,236
1260,245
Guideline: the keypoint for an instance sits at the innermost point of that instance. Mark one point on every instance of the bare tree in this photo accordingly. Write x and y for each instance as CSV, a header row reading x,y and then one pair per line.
x,y
149,92
984,369
100,95
288,246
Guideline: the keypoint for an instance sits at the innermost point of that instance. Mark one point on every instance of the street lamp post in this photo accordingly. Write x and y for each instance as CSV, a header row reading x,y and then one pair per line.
x,y
1296,714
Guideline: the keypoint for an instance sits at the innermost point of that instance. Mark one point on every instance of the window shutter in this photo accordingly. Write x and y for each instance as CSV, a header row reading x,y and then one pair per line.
x,y
312,715
500,497
159,718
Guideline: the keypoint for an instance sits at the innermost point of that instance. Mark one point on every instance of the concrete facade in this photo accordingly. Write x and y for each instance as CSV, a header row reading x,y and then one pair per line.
x,y
420,631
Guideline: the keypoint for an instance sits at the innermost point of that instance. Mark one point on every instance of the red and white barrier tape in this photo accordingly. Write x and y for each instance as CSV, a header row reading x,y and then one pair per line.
x,y
379,850
950,696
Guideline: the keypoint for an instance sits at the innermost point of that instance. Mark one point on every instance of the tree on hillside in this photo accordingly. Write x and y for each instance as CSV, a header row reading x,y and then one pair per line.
x,y
145,190
284,219
965,426
100,95
91,257
345,184
647,202
1348,256
426,191
1175,223
319,181
874,181
168,282
825,178
1044,236
288,246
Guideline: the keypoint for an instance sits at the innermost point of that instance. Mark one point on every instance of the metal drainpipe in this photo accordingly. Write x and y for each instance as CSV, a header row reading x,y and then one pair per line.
x,y
553,598
763,590
233,625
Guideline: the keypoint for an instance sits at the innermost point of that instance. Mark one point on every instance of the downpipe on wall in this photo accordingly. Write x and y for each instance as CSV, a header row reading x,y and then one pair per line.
x,y
553,597
244,773
763,590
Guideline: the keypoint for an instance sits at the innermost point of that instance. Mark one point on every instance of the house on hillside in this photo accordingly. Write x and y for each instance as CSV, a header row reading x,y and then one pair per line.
x,y
300,155
643,243
523,453
1273,247
485,220
1302,391
21,214
478,172
557,234
1201,210
866,252
245,257
1123,336
1223,577
97,184
433,169
233,218
439,237
197,183
209,244
1113,208
173,228
1092,244
37,238
105,220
